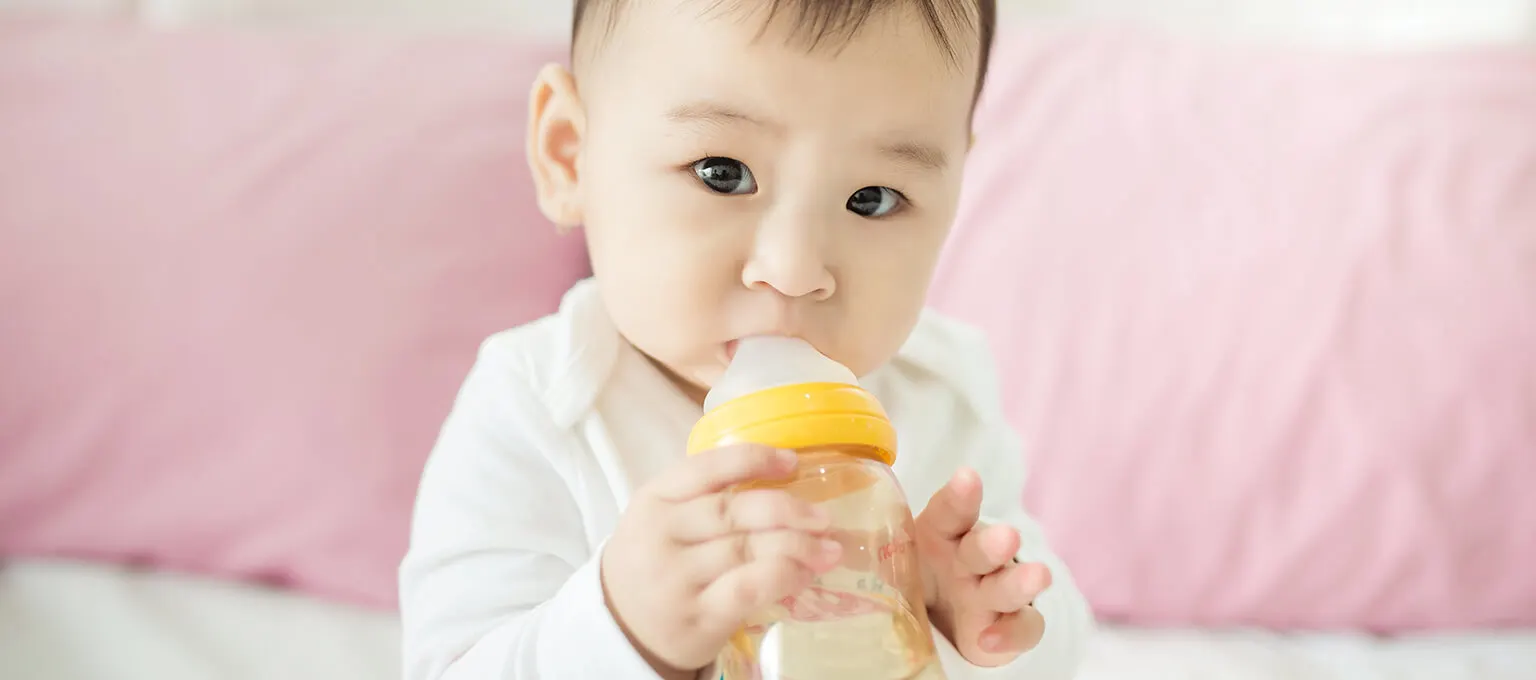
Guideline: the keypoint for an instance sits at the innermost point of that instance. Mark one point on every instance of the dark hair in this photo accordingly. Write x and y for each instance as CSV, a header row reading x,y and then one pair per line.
x,y
821,20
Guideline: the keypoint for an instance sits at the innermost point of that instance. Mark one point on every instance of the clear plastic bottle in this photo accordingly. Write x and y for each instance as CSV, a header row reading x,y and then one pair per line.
x,y
865,619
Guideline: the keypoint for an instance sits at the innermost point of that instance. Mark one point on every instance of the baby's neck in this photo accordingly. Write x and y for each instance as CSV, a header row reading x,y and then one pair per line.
x,y
693,391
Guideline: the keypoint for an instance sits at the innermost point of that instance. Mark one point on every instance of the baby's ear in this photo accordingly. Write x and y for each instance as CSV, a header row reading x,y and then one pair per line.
x,y
556,123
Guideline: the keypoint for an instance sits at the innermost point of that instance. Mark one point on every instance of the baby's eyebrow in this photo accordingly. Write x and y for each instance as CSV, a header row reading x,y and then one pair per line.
x,y
916,154
716,114
919,155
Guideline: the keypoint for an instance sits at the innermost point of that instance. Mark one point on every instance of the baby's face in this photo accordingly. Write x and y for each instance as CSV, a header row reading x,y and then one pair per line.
x,y
733,182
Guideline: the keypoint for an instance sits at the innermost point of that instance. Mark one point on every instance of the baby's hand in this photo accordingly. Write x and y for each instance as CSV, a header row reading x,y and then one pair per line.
x,y
979,596
690,560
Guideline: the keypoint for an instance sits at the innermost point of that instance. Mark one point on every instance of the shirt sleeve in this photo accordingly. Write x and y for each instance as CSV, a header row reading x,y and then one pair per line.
x,y
499,582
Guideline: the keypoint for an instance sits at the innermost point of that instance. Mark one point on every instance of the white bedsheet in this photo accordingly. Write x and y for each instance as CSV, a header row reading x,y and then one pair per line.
x,y
81,622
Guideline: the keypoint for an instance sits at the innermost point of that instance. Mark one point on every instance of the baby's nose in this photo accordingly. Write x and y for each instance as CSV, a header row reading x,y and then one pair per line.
x,y
790,264
795,286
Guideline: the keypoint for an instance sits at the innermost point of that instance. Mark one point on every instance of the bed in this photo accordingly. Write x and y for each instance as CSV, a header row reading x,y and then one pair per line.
x,y
70,621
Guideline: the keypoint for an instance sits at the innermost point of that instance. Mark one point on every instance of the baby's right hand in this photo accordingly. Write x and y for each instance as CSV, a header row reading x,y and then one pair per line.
x,y
690,560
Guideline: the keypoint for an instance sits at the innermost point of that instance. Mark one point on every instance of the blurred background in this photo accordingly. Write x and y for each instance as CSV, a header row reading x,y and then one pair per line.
x,y
1260,276
1377,23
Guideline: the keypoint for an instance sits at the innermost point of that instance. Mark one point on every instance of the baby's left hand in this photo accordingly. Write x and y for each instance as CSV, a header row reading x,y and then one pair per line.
x,y
978,595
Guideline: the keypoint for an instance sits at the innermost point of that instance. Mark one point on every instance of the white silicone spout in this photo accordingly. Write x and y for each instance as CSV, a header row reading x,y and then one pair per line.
x,y
765,362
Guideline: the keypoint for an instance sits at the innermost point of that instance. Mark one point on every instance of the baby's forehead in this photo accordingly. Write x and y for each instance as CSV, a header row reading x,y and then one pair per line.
x,y
960,30
717,81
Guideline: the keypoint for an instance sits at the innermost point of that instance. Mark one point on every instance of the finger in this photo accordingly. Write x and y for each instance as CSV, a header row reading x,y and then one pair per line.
x,y
1013,588
956,507
749,588
987,548
709,561
707,518
725,467
1014,633
858,553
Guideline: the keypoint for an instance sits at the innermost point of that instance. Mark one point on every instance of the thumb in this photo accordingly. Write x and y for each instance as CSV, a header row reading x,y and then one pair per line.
x,y
956,508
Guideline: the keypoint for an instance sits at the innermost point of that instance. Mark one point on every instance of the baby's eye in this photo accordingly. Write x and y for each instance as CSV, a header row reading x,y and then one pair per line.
x,y
725,175
874,201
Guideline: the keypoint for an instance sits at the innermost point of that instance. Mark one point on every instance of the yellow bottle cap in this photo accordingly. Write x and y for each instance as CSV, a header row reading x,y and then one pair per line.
x,y
800,416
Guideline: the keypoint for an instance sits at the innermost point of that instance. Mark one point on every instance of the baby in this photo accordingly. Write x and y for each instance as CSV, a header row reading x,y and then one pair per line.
x,y
740,168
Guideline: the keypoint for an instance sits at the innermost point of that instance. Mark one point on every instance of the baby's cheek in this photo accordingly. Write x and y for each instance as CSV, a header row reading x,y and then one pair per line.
x,y
875,324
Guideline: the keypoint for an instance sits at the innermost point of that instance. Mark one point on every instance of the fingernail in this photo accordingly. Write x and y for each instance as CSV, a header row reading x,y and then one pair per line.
x,y
992,642
820,516
786,457
831,552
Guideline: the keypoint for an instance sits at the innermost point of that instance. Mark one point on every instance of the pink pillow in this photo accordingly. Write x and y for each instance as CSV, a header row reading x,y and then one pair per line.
x,y
243,276
1267,323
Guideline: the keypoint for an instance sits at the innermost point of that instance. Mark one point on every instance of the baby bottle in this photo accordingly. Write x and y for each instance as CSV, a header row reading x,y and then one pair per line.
x,y
865,619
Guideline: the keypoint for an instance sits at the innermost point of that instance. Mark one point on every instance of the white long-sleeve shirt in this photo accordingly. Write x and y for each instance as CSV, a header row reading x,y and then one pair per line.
x,y
561,419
